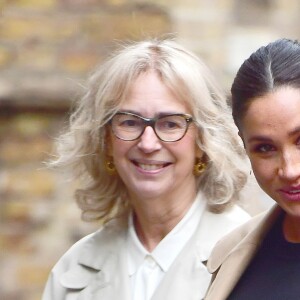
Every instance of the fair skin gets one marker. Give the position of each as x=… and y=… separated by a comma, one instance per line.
x=271, y=134
x=158, y=175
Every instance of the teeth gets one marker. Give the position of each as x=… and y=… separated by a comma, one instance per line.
x=295, y=191
x=150, y=167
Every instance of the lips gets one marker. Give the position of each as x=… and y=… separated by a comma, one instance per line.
x=291, y=193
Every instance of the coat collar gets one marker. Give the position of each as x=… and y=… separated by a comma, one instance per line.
x=214, y=226
x=98, y=271
x=101, y=262
x=233, y=254
x=251, y=233
x=191, y=262
x=106, y=243
x=103, y=246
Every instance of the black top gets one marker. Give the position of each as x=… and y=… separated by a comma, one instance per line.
x=274, y=272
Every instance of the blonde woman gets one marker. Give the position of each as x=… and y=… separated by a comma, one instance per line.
x=154, y=146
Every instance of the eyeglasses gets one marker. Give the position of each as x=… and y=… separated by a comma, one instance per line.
x=168, y=128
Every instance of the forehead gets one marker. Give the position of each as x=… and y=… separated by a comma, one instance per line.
x=148, y=93
x=275, y=111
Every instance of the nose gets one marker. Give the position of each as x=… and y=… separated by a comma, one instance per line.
x=290, y=166
x=149, y=142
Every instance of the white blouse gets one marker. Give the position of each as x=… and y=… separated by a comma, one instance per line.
x=147, y=269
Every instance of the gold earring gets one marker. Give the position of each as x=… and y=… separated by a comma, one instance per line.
x=110, y=167
x=199, y=167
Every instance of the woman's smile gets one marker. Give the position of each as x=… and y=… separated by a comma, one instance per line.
x=150, y=166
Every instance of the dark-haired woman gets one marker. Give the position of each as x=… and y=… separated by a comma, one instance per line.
x=261, y=259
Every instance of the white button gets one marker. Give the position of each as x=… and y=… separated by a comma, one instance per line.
x=150, y=261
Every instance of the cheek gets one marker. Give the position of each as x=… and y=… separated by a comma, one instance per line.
x=264, y=171
x=118, y=148
x=189, y=141
x=187, y=150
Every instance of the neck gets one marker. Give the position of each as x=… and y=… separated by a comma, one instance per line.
x=154, y=221
x=291, y=229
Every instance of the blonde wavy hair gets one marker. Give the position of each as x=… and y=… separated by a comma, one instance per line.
x=83, y=147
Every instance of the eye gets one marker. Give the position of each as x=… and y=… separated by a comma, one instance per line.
x=264, y=148
x=128, y=123
x=171, y=123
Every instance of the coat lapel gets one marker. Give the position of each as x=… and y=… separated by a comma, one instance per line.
x=190, y=283
x=102, y=267
x=192, y=278
x=232, y=256
x=230, y=272
x=102, y=272
x=110, y=282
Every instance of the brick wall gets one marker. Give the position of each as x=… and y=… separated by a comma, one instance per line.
x=47, y=47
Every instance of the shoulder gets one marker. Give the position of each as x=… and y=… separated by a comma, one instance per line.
x=251, y=231
x=235, y=236
x=73, y=254
x=213, y=226
x=236, y=214
x=76, y=268
x=91, y=251
x=226, y=220
x=91, y=247
x=58, y=282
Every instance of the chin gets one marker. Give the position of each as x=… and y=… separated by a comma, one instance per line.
x=149, y=193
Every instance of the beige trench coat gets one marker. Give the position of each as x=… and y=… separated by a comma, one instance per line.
x=95, y=267
x=232, y=254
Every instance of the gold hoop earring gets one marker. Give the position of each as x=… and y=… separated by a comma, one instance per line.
x=199, y=167
x=110, y=167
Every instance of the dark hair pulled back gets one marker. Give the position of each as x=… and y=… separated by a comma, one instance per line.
x=270, y=67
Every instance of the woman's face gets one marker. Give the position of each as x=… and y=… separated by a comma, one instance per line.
x=271, y=134
x=149, y=167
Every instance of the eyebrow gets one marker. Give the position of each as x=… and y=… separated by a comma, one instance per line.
x=160, y=114
x=262, y=138
x=295, y=131
x=259, y=138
